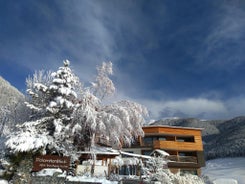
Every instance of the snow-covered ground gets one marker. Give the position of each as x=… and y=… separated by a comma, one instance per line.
x=226, y=170
x=51, y=172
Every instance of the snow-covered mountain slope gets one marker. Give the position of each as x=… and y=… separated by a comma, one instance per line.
x=226, y=170
x=12, y=110
x=8, y=93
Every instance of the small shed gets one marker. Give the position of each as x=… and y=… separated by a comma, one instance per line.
x=96, y=162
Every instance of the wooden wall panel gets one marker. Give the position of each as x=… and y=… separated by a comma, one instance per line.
x=179, y=146
x=172, y=130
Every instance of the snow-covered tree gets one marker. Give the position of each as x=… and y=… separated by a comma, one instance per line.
x=10, y=115
x=53, y=102
x=117, y=123
x=64, y=119
x=103, y=85
x=156, y=170
x=37, y=99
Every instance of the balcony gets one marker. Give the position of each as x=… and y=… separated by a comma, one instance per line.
x=178, y=146
x=183, y=161
x=175, y=158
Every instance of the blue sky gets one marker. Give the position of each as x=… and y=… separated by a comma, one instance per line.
x=182, y=58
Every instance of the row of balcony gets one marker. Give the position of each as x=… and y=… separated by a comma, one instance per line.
x=176, y=158
x=173, y=145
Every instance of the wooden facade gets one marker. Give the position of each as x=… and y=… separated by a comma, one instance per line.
x=183, y=144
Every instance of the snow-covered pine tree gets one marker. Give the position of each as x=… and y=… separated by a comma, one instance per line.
x=37, y=99
x=53, y=103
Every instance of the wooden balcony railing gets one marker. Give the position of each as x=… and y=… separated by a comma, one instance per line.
x=183, y=162
x=174, y=145
x=175, y=158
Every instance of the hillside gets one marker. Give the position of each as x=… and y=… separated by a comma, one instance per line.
x=12, y=109
x=9, y=94
x=222, y=138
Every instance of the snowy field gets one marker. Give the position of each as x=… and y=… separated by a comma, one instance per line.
x=226, y=170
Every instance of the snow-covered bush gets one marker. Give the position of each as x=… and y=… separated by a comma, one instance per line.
x=156, y=170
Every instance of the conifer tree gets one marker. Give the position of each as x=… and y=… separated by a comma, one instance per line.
x=53, y=104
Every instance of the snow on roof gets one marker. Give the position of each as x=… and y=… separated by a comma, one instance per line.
x=135, y=155
x=161, y=152
x=168, y=126
x=98, y=150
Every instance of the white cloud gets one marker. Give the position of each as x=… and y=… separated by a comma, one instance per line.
x=197, y=106
x=236, y=105
x=191, y=107
x=202, y=108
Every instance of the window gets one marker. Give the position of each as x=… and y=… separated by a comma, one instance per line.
x=187, y=153
x=128, y=170
x=170, y=138
x=162, y=139
x=146, y=152
x=148, y=141
x=185, y=139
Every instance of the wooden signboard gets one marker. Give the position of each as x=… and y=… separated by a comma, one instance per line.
x=51, y=161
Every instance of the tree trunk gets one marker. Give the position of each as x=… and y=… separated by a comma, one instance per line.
x=22, y=174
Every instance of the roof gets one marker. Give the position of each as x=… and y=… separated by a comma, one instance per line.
x=135, y=155
x=98, y=153
x=176, y=127
x=98, y=150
